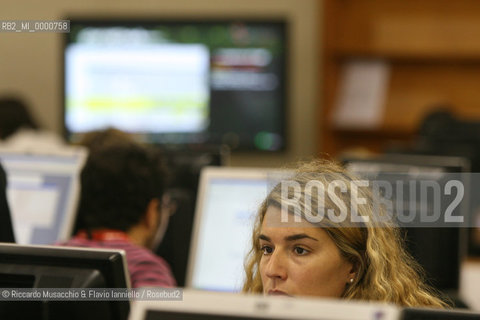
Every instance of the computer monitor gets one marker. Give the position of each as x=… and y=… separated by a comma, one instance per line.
x=229, y=306
x=227, y=202
x=63, y=267
x=437, y=247
x=178, y=80
x=42, y=193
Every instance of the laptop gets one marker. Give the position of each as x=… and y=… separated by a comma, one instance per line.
x=198, y=305
x=42, y=192
x=227, y=202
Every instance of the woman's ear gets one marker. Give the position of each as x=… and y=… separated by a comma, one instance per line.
x=353, y=274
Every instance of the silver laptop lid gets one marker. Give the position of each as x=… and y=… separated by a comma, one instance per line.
x=198, y=305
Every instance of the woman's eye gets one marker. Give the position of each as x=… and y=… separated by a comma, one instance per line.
x=300, y=251
x=266, y=250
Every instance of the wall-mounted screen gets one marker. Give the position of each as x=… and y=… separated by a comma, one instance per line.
x=179, y=82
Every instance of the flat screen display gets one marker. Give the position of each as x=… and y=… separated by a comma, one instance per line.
x=438, y=248
x=178, y=82
x=224, y=222
x=42, y=193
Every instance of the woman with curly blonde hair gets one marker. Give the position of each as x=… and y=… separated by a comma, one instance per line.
x=341, y=248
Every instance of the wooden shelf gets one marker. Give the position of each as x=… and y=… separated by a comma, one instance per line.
x=397, y=57
x=408, y=27
x=432, y=48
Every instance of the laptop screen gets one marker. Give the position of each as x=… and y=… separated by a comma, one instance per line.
x=42, y=193
x=227, y=202
x=199, y=305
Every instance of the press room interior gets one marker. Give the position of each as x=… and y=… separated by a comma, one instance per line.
x=344, y=79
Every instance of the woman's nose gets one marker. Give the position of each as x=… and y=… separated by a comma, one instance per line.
x=277, y=266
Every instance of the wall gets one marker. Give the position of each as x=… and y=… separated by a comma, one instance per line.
x=30, y=64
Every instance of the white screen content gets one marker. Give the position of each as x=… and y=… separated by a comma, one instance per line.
x=42, y=193
x=137, y=88
x=228, y=202
x=229, y=210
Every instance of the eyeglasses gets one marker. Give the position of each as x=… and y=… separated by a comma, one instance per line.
x=168, y=205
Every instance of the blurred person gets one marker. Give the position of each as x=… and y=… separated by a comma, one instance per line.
x=14, y=115
x=19, y=130
x=99, y=139
x=123, y=206
x=6, y=229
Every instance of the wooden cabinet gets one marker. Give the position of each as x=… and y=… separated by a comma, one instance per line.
x=432, y=48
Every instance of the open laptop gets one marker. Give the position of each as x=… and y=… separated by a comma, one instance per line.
x=229, y=306
x=227, y=202
x=42, y=192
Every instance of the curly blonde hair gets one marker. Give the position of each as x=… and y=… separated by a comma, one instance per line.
x=385, y=271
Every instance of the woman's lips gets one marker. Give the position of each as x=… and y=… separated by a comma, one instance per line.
x=277, y=293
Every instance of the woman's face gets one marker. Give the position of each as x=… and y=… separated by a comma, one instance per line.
x=300, y=260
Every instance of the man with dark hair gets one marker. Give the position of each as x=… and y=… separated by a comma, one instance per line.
x=6, y=230
x=122, y=206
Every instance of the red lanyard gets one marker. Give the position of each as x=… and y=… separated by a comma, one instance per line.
x=103, y=235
